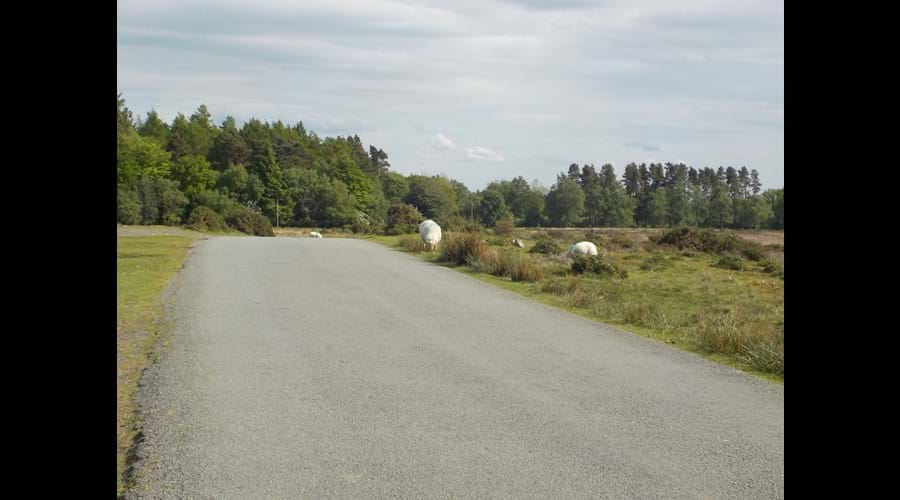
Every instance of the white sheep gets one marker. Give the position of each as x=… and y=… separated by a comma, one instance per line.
x=314, y=234
x=430, y=233
x=583, y=248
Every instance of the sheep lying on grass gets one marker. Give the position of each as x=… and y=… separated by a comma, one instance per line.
x=583, y=248
x=430, y=233
x=314, y=234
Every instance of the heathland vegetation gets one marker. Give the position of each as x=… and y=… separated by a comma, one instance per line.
x=704, y=290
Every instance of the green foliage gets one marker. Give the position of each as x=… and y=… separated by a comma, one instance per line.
x=434, y=197
x=138, y=156
x=206, y=219
x=492, y=208
x=730, y=261
x=599, y=265
x=128, y=206
x=267, y=166
x=710, y=241
x=565, y=203
x=248, y=221
x=546, y=246
x=194, y=174
x=395, y=186
x=154, y=128
x=403, y=218
x=773, y=267
x=655, y=262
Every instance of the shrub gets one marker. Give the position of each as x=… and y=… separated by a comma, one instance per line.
x=546, y=246
x=247, y=221
x=128, y=207
x=459, y=248
x=655, y=262
x=730, y=261
x=709, y=241
x=600, y=265
x=504, y=227
x=402, y=219
x=362, y=227
x=620, y=241
x=773, y=267
x=411, y=244
x=206, y=219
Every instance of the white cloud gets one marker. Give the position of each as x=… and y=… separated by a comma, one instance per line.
x=480, y=153
x=550, y=82
x=443, y=142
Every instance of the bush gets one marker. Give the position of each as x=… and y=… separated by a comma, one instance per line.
x=403, y=219
x=656, y=262
x=730, y=261
x=361, y=227
x=247, y=221
x=599, y=265
x=504, y=227
x=411, y=244
x=709, y=241
x=546, y=246
x=460, y=248
x=128, y=207
x=620, y=241
x=206, y=219
x=773, y=267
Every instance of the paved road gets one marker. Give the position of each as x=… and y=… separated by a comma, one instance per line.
x=337, y=368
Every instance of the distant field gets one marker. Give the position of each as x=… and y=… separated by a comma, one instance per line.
x=144, y=265
x=681, y=298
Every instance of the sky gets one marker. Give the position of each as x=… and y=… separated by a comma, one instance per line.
x=478, y=90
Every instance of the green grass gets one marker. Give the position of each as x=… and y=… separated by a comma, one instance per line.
x=731, y=317
x=144, y=264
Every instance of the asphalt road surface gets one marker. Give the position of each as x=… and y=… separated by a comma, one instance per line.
x=338, y=368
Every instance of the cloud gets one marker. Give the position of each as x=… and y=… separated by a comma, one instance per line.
x=545, y=80
x=480, y=153
x=441, y=141
x=643, y=146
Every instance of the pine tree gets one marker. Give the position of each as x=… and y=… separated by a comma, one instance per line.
x=755, y=185
x=744, y=182
x=632, y=180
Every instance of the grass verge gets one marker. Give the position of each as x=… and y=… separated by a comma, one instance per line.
x=144, y=265
x=731, y=317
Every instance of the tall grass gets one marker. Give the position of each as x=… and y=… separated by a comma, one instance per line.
x=461, y=248
x=412, y=244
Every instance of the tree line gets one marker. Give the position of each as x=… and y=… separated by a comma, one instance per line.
x=167, y=171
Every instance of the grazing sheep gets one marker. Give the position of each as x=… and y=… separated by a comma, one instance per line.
x=314, y=234
x=430, y=233
x=583, y=248
x=518, y=243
